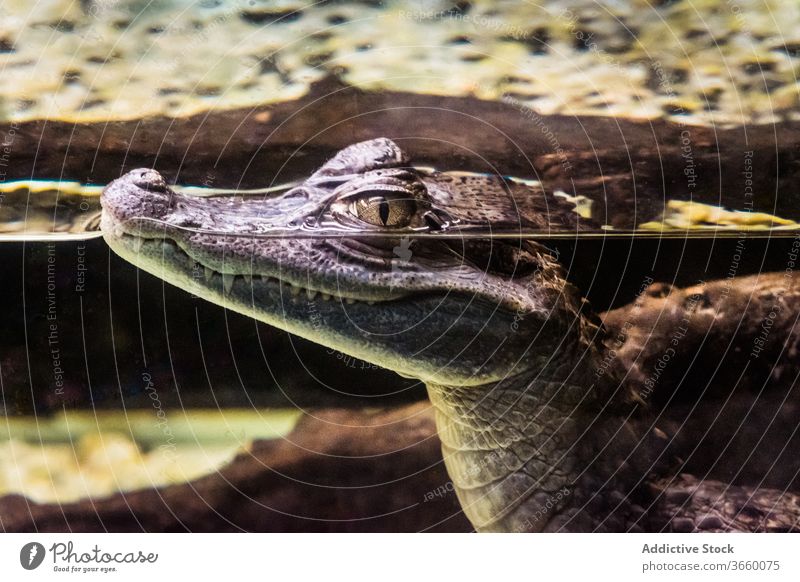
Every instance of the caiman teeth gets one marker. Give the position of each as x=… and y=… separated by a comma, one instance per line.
x=229, y=279
x=227, y=282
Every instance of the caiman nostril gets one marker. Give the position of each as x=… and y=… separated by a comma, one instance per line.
x=149, y=180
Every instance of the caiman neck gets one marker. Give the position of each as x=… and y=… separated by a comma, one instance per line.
x=541, y=451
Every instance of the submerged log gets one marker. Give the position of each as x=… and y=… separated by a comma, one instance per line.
x=717, y=365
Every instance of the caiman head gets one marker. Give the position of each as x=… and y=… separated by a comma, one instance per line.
x=381, y=288
x=364, y=257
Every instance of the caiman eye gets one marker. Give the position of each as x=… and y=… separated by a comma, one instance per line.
x=379, y=210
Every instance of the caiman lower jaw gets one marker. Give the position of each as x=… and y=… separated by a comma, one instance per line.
x=134, y=248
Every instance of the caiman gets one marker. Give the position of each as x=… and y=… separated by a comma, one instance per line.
x=539, y=426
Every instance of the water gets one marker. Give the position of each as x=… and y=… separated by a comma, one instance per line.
x=669, y=130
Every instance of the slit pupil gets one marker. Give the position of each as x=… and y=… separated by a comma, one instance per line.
x=383, y=211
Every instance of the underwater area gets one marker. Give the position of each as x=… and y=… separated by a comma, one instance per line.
x=401, y=265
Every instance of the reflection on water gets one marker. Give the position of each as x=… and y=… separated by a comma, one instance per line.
x=33, y=209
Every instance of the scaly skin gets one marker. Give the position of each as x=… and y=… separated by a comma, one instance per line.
x=533, y=438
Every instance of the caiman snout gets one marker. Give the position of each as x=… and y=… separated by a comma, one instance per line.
x=141, y=193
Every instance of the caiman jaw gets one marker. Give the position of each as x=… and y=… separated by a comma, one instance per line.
x=428, y=313
x=174, y=257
